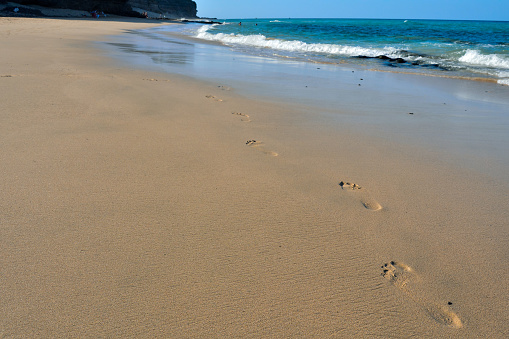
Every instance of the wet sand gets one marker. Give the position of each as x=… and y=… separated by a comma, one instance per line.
x=144, y=204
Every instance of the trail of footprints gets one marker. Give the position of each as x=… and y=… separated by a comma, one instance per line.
x=245, y=118
x=366, y=200
x=405, y=278
x=398, y=274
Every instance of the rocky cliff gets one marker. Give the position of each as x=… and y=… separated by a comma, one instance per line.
x=169, y=8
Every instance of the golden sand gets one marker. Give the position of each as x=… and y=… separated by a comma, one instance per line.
x=137, y=204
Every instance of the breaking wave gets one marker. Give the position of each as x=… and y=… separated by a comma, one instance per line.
x=262, y=41
x=474, y=57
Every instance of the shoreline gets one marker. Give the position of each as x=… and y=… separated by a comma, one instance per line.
x=349, y=65
x=452, y=106
x=144, y=203
x=412, y=58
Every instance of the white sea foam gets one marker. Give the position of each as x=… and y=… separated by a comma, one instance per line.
x=474, y=57
x=503, y=74
x=503, y=82
x=262, y=41
x=204, y=28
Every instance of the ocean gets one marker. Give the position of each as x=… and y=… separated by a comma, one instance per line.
x=468, y=49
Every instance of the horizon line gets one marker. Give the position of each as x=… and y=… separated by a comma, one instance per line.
x=350, y=18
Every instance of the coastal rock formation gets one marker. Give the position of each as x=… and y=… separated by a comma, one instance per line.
x=168, y=8
x=171, y=8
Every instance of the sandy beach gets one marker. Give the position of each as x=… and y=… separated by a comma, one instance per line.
x=142, y=204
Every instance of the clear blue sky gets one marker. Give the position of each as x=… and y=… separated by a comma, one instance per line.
x=384, y=9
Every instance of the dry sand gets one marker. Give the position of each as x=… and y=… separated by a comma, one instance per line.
x=136, y=204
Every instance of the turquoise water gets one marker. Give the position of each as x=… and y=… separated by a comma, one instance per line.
x=469, y=49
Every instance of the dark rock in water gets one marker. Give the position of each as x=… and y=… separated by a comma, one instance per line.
x=205, y=22
x=398, y=60
x=437, y=66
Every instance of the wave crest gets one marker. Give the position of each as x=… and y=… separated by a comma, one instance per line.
x=474, y=57
x=262, y=41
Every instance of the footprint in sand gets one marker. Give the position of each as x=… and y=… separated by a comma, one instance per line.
x=368, y=202
x=155, y=80
x=404, y=278
x=213, y=97
x=243, y=117
x=261, y=147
